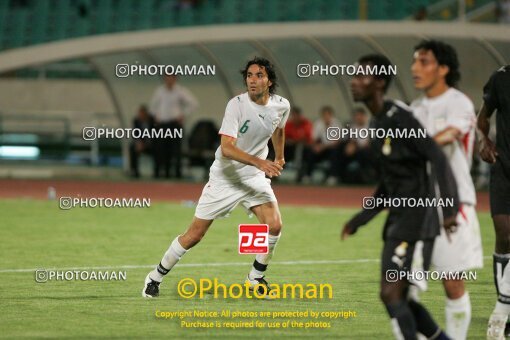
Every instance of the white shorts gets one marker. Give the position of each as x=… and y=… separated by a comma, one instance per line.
x=219, y=198
x=464, y=252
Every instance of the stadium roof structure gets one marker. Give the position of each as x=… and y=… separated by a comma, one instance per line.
x=482, y=48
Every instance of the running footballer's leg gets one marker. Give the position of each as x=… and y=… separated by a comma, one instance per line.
x=267, y=213
x=392, y=294
x=499, y=316
x=408, y=316
x=179, y=246
x=457, y=309
x=499, y=203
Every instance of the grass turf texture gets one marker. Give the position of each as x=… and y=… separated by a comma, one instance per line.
x=37, y=234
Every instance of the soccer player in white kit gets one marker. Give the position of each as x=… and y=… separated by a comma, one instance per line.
x=237, y=175
x=449, y=116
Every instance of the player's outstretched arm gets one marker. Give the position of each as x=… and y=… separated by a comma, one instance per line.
x=444, y=175
x=231, y=151
x=487, y=147
x=365, y=215
x=447, y=136
x=278, y=139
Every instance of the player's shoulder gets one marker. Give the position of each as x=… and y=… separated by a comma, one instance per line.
x=500, y=74
x=417, y=102
x=503, y=70
x=457, y=98
x=457, y=95
x=238, y=100
x=280, y=101
x=398, y=107
x=398, y=112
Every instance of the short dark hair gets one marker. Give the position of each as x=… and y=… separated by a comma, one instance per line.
x=381, y=62
x=359, y=109
x=327, y=108
x=268, y=66
x=445, y=55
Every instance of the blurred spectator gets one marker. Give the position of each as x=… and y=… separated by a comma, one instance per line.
x=298, y=134
x=321, y=148
x=142, y=121
x=169, y=105
x=186, y=4
x=19, y=3
x=202, y=144
x=178, y=5
x=352, y=157
x=503, y=11
x=421, y=14
x=83, y=11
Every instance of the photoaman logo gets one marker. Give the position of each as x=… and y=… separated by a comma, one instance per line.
x=253, y=239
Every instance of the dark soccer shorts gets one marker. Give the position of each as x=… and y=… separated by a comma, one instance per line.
x=400, y=257
x=499, y=189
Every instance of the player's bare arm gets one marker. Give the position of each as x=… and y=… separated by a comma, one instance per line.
x=231, y=151
x=346, y=232
x=487, y=147
x=448, y=136
x=278, y=139
x=360, y=219
x=365, y=215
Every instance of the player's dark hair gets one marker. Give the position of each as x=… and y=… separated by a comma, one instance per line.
x=381, y=62
x=445, y=55
x=268, y=66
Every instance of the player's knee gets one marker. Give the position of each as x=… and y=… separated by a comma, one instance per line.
x=191, y=238
x=502, y=243
x=275, y=227
x=393, y=292
x=454, y=289
x=388, y=295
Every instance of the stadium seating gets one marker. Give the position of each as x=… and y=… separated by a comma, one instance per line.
x=24, y=23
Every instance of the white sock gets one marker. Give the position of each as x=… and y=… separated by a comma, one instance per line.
x=171, y=257
x=502, y=275
x=458, y=317
x=501, y=308
x=262, y=260
x=413, y=293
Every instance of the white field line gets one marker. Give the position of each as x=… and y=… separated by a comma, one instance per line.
x=188, y=265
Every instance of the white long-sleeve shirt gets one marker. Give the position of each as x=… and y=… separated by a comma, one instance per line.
x=171, y=104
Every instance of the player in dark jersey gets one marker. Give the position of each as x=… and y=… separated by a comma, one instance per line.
x=496, y=96
x=409, y=232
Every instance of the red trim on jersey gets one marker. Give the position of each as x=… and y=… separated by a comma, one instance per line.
x=461, y=210
x=465, y=141
x=223, y=134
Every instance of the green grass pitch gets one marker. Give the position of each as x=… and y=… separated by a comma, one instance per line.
x=37, y=234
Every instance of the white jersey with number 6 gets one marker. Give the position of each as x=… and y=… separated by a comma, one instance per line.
x=252, y=125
